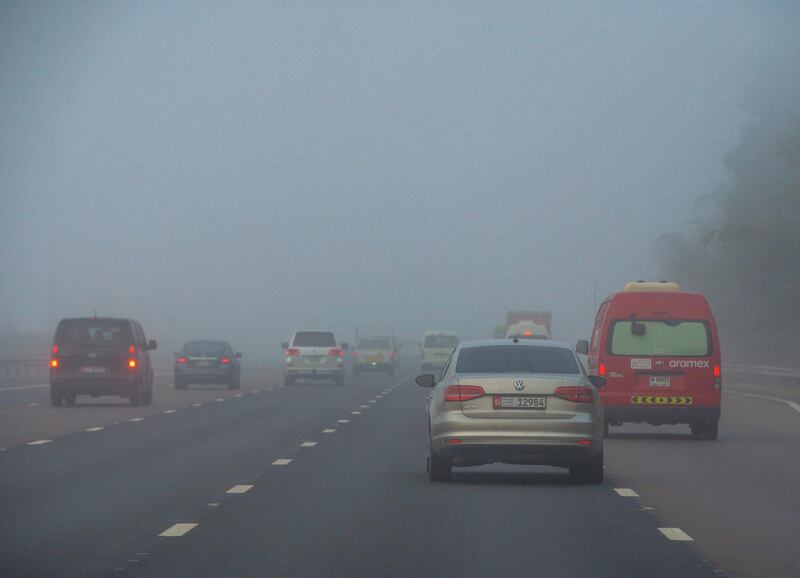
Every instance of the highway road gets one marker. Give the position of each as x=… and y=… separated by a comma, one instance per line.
x=324, y=480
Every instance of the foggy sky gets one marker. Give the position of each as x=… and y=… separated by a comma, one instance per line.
x=239, y=170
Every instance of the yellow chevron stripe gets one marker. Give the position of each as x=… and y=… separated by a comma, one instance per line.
x=661, y=400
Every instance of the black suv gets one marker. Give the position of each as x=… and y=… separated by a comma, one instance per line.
x=207, y=362
x=101, y=356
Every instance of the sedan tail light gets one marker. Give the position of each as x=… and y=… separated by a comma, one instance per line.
x=463, y=392
x=578, y=394
x=392, y=355
x=292, y=352
x=181, y=360
x=335, y=352
x=224, y=360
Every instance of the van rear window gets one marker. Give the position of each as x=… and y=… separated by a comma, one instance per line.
x=669, y=338
x=94, y=333
x=516, y=359
x=441, y=341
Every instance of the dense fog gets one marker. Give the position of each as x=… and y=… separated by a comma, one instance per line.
x=240, y=170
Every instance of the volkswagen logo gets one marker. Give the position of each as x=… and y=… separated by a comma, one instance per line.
x=519, y=385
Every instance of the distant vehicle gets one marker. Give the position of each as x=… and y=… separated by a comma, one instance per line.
x=527, y=330
x=526, y=321
x=101, y=356
x=437, y=347
x=375, y=354
x=522, y=402
x=207, y=362
x=314, y=355
x=658, y=348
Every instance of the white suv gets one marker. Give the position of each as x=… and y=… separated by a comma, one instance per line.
x=314, y=355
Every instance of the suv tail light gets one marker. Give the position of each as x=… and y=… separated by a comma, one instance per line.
x=578, y=394
x=463, y=392
x=224, y=360
x=335, y=352
x=292, y=352
x=181, y=360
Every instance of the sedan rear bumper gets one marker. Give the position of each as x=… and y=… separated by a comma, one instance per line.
x=551, y=454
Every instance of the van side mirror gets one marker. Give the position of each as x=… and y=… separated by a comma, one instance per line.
x=152, y=345
x=285, y=345
x=597, y=381
x=582, y=347
x=426, y=380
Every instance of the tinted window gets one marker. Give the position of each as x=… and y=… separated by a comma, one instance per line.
x=314, y=339
x=516, y=359
x=374, y=344
x=667, y=338
x=205, y=348
x=441, y=341
x=94, y=333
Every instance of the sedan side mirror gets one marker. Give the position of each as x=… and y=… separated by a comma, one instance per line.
x=426, y=380
x=285, y=345
x=152, y=345
x=582, y=347
x=597, y=381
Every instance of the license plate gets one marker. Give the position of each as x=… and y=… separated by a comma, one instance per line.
x=203, y=363
x=659, y=381
x=375, y=358
x=519, y=402
x=94, y=369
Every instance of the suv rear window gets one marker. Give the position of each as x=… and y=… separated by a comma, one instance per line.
x=204, y=348
x=94, y=333
x=374, y=344
x=441, y=341
x=314, y=339
x=673, y=337
x=516, y=359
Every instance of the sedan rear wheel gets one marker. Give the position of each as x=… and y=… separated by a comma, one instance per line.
x=438, y=469
x=589, y=470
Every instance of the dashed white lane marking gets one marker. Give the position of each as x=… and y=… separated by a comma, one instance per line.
x=239, y=489
x=378, y=397
x=676, y=534
x=136, y=419
x=626, y=492
x=364, y=407
x=355, y=412
x=169, y=411
x=344, y=421
x=20, y=387
x=256, y=391
x=197, y=404
x=795, y=406
x=239, y=395
x=308, y=444
x=178, y=530
x=98, y=428
x=372, y=401
x=329, y=431
x=220, y=399
x=33, y=404
x=270, y=389
x=282, y=462
x=39, y=442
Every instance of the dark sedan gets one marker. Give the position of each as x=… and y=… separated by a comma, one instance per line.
x=207, y=362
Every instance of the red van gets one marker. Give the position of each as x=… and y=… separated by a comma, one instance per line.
x=657, y=348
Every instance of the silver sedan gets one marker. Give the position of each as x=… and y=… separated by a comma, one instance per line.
x=516, y=402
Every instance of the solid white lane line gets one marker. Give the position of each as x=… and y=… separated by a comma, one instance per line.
x=282, y=462
x=355, y=412
x=136, y=419
x=795, y=406
x=308, y=444
x=329, y=431
x=676, y=534
x=178, y=530
x=344, y=421
x=239, y=489
x=39, y=442
x=626, y=492
x=169, y=411
x=98, y=428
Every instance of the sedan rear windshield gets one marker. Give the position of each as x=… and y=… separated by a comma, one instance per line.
x=516, y=359
x=671, y=337
x=441, y=341
x=94, y=333
x=204, y=348
x=314, y=339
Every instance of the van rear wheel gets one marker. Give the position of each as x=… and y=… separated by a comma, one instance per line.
x=56, y=398
x=706, y=430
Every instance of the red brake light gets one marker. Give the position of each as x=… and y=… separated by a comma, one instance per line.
x=181, y=360
x=54, y=363
x=292, y=352
x=578, y=394
x=335, y=352
x=463, y=392
x=55, y=349
x=717, y=371
x=601, y=370
x=584, y=442
x=527, y=333
x=132, y=363
x=392, y=355
x=224, y=360
x=132, y=349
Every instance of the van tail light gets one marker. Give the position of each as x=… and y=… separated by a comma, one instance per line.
x=601, y=370
x=717, y=377
x=132, y=350
x=54, y=363
x=292, y=352
x=55, y=349
x=578, y=394
x=181, y=360
x=132, y=363
x=335, y=352
x=224, y=360
x=463, y=392
x=392, y=355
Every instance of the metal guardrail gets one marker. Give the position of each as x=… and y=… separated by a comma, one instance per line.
x=22, y=369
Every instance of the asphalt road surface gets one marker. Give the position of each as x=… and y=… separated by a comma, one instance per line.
x=323, y=480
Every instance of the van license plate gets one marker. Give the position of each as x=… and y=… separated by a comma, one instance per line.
x=659, y=381
x=519, y=402
x=93, y=369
